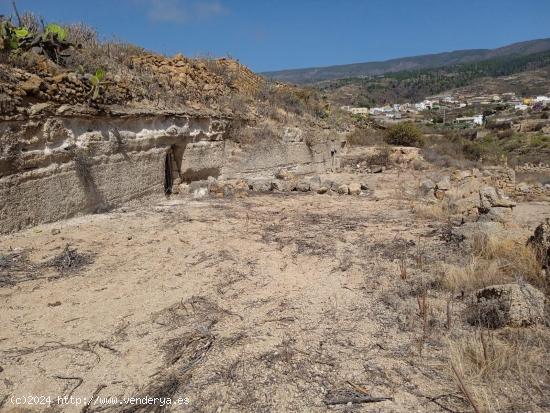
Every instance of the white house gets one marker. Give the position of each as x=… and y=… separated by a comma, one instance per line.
x=473, y=120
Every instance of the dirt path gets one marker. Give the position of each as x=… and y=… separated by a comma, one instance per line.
x=267, y=303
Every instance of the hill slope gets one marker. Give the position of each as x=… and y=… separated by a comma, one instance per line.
x=316, y=74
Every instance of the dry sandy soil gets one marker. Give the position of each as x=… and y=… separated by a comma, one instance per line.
x=268, y=303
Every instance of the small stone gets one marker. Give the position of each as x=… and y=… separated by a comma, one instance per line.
x=56, y=231
x=343, y=189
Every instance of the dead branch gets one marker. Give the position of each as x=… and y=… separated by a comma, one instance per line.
x=79, y=379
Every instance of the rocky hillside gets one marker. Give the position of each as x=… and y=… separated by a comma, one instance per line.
x=90, y=125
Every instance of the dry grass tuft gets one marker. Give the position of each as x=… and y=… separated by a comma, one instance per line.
x=438, y=211
x=494, y=260
x=503, y=371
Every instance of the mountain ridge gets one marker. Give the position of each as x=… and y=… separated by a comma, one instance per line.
x=427, y=61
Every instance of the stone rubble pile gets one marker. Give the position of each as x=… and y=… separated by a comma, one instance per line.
x=284, y=182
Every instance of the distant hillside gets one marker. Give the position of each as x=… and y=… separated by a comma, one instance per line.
x=430, y=61
x=500, y=73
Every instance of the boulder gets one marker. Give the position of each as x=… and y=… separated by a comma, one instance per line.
x=315, y=183
x=491, y=197
x=354, y=188
x=343, y=189
x=444, y=184
x=496, y=214
x=515, y=305
x=322, y=190
x=467, y=205
x=260, y=185
x=461, y=175
x=427, y=187
x=494, y=205
x=302, y=186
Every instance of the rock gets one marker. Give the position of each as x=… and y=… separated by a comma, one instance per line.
x=427, y=187
x=354, y=188
x=376, y=169
x=444, y=184
x=322, y=190
x=200, y=193
x=302, y=186
x=343, y=189
x=32, y=85
x=540, y=242
x=284, y=175
x=329, y=184
x=466, y=205
x=315, y=183
x=37, y=108
x=260, y=185
x=364, y=186
x=517, y=305
x=277, y=185
x=240, y=188
x=216, y=189
x=461, y=175
x=56, y=231
x=496, y=214
x=523, y=187
x=490, y=197
x=183, y=188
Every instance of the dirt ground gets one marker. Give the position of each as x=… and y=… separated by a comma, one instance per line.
x=268, y=303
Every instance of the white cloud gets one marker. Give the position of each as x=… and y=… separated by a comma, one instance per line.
x=183, y=11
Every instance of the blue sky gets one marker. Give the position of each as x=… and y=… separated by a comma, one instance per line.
x=271, y=35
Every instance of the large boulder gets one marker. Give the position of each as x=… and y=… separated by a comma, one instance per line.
x=490, y=197
x=515, y=305
x=494, y=205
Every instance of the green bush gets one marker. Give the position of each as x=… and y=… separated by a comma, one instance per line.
x=404, y=134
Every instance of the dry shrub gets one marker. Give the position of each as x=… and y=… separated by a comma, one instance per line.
x=365, y=137
x=404, y=134
x=439, y=211
x=263, y=134
x=494, y=260
x=504, y=371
